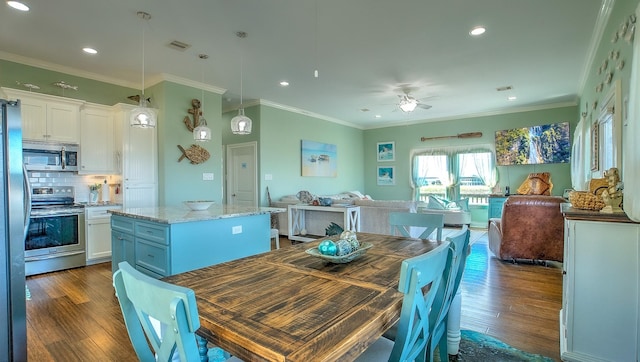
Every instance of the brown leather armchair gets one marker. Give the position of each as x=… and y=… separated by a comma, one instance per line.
x=531, y=227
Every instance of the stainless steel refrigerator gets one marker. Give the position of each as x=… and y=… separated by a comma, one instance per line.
x=13, y=331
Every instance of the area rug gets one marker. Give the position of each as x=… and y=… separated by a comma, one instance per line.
x=478, y=347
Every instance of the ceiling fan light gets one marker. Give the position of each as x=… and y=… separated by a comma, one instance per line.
x=241, y=124
x=408, y=105
x=202, y=132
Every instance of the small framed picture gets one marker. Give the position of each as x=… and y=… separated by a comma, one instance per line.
x=386, y=175
x=386, y=151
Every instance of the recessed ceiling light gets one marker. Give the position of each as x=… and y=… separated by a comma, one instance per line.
x=478, y=30
x=284, y=83
x=18, y=5
x=378, y=116
x=512, y=98
x=89, y=50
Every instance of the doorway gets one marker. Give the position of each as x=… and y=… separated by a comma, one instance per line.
x=242, y=174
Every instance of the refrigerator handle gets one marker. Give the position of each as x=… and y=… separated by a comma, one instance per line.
x=27, y=200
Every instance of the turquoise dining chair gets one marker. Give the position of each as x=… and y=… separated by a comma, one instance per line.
x=145, y=300
x=403, y=221
x=459, y=245
x=414, y=332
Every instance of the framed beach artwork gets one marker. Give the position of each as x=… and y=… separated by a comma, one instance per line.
x=319, y=159
x=386, y=175
x=386, y=151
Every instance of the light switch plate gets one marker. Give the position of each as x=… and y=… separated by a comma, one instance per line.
x=207, y=176
x=268, y=177
x=236, y=229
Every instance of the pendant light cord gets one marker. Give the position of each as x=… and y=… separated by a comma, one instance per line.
x=142, y=61
x=241, y=65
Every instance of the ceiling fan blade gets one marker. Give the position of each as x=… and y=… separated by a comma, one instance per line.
x=424, y=106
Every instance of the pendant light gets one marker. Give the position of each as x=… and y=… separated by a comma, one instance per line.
x=241, y=124
x=143, y=116
x=202, y=132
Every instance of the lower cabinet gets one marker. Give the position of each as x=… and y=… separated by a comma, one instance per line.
x=98, y=233
x=599, y=320
x=159, y=249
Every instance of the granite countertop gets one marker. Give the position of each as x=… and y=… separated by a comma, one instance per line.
x=572, y=213
x=97, y=204
x=181, y=214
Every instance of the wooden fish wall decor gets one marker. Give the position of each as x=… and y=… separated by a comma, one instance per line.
x=195, y=154
x=196, y=112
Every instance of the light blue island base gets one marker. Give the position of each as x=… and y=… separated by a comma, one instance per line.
x=165, y=241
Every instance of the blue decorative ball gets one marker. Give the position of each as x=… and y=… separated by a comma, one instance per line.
x=328, y=247
x=344, y=247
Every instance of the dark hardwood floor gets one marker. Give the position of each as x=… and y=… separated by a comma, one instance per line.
x=73, y=315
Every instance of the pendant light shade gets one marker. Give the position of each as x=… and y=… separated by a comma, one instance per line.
x=143, y=116
x=202, y=133
x=241, y=124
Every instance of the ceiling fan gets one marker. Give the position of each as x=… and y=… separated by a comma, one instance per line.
x=408, y=103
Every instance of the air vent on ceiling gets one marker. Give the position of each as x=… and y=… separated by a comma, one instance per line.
x=178, y=45
x=505, y=88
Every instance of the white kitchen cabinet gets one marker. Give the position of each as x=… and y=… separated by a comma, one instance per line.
x=600, y=301
x=139, y=162
x=98, y=233
x=98, y=154
x=48, y=118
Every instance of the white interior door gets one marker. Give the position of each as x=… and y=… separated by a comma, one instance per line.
x=242, y=174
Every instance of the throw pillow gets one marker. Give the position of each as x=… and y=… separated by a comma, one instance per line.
x=462, y=204
x=536, y=184
x=437, y=203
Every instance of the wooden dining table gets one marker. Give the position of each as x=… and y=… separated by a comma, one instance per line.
x=287, y=305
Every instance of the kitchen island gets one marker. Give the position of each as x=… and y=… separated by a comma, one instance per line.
x=163, y=241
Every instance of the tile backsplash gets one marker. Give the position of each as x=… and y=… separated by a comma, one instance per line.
x=79, y=182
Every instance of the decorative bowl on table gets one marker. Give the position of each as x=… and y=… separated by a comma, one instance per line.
x=199, y=205
x=341, y=259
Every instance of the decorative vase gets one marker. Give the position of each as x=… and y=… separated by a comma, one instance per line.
x=93, y=196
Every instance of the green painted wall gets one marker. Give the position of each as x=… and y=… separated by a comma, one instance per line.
x=181, y=181
x=281, y=133
x=12, y=73
x=408, y=137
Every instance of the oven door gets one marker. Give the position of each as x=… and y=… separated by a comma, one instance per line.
x=53, y=236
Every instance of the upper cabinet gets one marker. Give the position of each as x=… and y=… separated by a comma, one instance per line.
x=48, y=118
x=98, y=153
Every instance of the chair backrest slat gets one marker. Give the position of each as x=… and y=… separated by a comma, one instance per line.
x=164, y=314
x=402, y=222
x=413, y=328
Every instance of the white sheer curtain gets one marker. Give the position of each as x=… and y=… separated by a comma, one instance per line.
x=486, y=168
x=579, y=165
x=631, y=145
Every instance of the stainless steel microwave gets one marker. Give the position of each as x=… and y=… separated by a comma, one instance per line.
x=38, y=156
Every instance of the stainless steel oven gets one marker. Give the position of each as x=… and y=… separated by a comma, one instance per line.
x=55, y=237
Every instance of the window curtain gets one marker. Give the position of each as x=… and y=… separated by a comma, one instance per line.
x=631, y=163
x=486, y=169
x=448, y=167
x=578, y=156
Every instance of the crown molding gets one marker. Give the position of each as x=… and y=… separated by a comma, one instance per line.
x=165, y=77
x=480, y=114
x=596, y=37
x=264, y=102
x=64, y=69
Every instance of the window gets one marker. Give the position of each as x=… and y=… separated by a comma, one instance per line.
x=454, y=175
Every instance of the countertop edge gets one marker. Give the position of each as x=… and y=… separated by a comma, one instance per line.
x=176, y=215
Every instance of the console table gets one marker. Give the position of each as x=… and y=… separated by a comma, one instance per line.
x=296, y=219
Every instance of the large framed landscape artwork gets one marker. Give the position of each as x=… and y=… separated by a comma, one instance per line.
x=319, y=159
x=548, y=143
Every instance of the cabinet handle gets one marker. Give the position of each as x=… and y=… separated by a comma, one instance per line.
x=151, y=256
x=120, y=238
